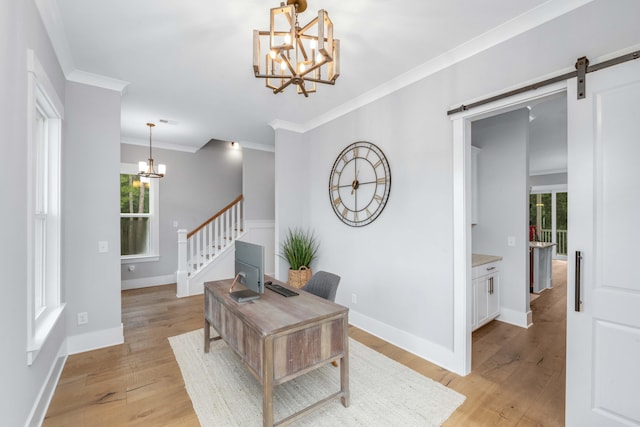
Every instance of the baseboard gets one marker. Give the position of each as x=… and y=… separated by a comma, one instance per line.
x=513, y=317
x=147, y=282
x=425, y=349
x=94, y=340
x=41, y=405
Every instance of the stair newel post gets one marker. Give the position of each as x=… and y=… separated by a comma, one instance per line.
x=182, y=274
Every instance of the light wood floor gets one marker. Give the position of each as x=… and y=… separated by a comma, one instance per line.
x=517, y=379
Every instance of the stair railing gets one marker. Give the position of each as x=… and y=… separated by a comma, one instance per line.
x=196, y=249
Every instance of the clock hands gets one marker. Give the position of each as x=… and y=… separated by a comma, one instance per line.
x=355, y=184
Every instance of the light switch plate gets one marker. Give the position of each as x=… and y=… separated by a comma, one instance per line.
x=511, y=241
x=103, y=246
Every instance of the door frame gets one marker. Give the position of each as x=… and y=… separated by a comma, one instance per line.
x=462, y=212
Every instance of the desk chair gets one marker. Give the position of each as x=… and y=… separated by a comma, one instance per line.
x=323, y=284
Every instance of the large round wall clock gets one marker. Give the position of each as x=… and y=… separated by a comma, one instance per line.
x=359, y=183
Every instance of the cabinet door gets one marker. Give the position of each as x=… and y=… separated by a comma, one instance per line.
x=493, y=296
x=482, y=293
x=474, y=305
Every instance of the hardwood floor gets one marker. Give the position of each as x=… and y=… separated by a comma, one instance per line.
x=517, y=378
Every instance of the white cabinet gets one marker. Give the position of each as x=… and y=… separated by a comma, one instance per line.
x=474, y=184
x=486, y=293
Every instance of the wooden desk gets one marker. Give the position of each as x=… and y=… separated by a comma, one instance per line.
x=280, y=338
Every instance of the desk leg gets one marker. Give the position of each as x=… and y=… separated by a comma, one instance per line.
x=207, y=333
x=267, y=382
x=344, y=367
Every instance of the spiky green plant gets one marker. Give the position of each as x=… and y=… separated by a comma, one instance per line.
x=299, y=248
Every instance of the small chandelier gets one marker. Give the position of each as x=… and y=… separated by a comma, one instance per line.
x=146, y=169
x=297, y=55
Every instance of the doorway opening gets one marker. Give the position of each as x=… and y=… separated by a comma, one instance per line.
x=515, y=305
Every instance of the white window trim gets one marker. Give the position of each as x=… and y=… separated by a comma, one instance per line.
x=154, y=223
x=42, y=96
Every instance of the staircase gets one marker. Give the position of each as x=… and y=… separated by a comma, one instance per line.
x=206, y=253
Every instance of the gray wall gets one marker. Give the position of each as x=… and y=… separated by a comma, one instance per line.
x=91, y=201
x=196, y=186
x=20, y=385
x=258, y=175
x=503, y=202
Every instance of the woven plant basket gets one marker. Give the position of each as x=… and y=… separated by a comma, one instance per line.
x=298, y=278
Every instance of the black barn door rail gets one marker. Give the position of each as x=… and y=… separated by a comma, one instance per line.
x=582, y=69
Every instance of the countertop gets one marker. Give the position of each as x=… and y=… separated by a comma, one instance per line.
x=480, y=259
x=541, y=245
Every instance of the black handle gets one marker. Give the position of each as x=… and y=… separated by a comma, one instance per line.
x=578, y=270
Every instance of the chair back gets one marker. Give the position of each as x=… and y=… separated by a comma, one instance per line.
x=323, y=284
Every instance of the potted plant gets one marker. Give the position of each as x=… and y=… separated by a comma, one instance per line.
x=299, y=248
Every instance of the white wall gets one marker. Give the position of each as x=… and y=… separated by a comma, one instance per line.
x=503, y=203
x=21, y=385
x=408, y=249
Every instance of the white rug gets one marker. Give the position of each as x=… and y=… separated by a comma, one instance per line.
x=383, y=392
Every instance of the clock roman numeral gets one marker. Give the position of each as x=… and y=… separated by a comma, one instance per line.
x=336, y=201
x=381, y=180
x=378, y=163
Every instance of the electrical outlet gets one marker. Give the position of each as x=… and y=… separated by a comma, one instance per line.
x=354, y=298
x=83, y=318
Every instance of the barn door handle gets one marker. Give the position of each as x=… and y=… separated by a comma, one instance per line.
x=578, y=271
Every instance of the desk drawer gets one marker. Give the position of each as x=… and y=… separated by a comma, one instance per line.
x=296, y=352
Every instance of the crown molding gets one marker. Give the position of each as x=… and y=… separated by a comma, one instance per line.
x=98, y=80
x=291, y=126
x=520, y=24
x=256, y=146
x=156, y=144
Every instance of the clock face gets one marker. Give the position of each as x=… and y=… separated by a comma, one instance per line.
x=359, y=183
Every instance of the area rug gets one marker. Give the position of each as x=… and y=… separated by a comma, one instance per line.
x=383, y=392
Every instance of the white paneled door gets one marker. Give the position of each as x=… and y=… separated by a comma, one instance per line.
x=603, y=338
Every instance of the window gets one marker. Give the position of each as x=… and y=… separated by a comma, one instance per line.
x=43, y=232
x=138, y=216
x=548, y=217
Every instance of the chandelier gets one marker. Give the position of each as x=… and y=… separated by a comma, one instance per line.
x=146, y=169
x=302, y=56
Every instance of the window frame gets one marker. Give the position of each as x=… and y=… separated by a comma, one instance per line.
x=153, y=215
x=45, y=113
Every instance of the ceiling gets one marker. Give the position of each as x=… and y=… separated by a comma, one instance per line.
x=190, y=61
